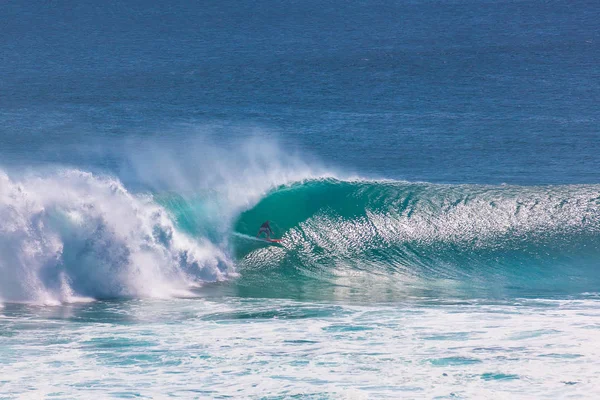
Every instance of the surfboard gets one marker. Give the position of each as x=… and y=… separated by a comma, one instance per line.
x=255, y=239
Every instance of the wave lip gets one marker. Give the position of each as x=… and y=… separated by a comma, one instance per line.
x=71, y=236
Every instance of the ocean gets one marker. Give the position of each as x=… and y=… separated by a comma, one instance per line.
x=431, y=167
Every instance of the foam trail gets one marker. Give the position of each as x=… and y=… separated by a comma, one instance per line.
x=71, y=235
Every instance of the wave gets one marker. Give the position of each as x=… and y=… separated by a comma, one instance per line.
x=71, y=235
x=157, y=226
x=479, y=238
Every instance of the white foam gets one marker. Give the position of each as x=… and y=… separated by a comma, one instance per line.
x=70, y=236
x=522, y=349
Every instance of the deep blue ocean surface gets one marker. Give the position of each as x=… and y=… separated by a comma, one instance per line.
x=430, y=166
x=444, y=91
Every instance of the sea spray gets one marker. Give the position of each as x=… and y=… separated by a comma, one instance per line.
x=69, y=234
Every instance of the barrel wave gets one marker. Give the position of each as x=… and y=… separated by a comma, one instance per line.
x=422, y=238
x=71, y=235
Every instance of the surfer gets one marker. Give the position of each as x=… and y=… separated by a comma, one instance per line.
x=266, y=229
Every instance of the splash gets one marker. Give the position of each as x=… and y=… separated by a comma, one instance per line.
x=72, y=235
x=156, y=227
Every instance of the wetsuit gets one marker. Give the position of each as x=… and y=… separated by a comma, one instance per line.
x=266, y=229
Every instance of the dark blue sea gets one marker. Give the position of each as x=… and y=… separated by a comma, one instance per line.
x=431, y=167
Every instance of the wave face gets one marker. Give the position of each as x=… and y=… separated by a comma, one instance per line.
x=482, y=239
x=71, y=235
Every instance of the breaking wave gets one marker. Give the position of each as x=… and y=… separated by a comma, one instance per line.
x=71, y=235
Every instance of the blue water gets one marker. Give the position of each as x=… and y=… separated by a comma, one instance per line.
x=431, y=168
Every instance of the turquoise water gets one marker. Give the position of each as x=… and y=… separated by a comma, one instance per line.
x=430, y=168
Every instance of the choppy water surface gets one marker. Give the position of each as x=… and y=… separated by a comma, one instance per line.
x=274, y=348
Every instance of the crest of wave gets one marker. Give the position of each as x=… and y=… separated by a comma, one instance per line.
x=72, y=235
